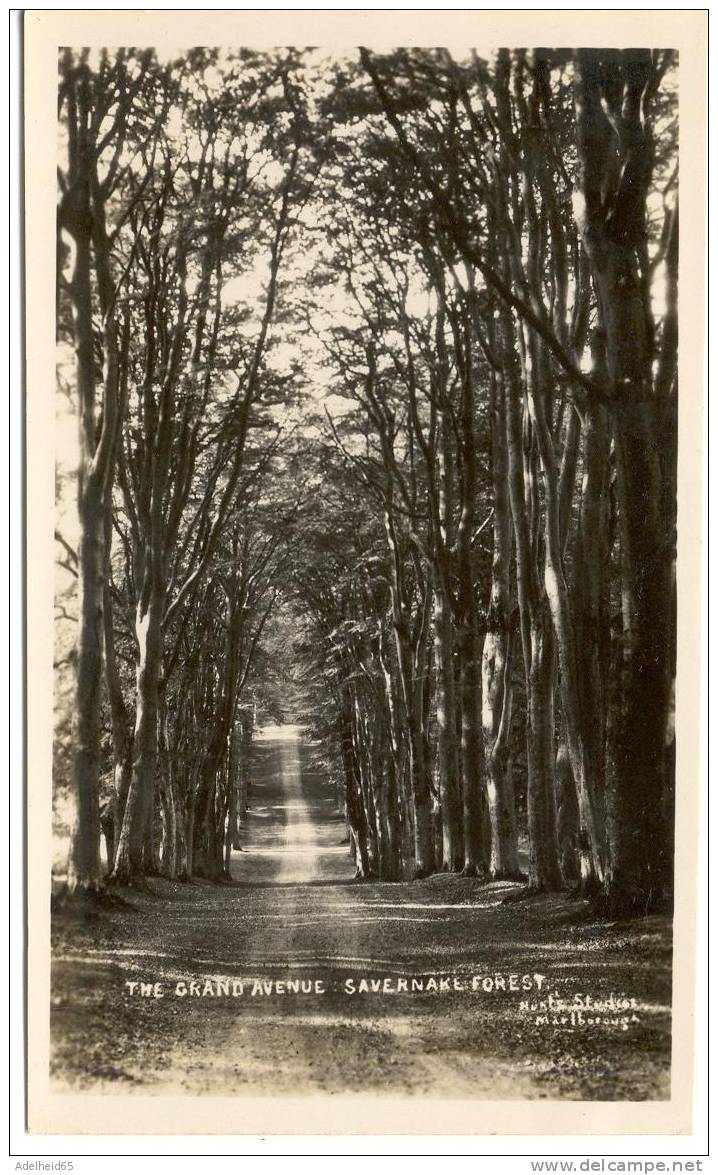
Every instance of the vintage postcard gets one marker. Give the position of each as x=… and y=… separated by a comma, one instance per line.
x=364, y=449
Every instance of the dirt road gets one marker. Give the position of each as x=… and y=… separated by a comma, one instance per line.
x=297, y=979
x=294, y=832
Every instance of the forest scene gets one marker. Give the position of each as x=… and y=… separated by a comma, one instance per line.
x=365, y=638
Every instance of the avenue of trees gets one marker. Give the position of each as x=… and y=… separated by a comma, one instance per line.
x=374, y=365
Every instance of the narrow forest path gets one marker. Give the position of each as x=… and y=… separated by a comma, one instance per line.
x=294, y=832
x=261, y=979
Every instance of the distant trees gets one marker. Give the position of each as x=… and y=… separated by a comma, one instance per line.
x=480, y=561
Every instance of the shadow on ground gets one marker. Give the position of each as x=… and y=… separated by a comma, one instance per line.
x=294, y=918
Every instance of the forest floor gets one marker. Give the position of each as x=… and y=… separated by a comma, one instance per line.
x=503, y=1011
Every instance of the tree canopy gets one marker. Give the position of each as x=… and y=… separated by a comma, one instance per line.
x=374, y=365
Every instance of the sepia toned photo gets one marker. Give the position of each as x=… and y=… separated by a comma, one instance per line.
x=365, y=582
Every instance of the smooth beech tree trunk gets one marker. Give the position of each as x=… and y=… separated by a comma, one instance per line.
x=591, y=590
x=567, y=819
x=412, y=714
x=169, y=857
x=467, y=621
x=397, y=757
x=81, y=215
x=470, y=707
x=448, y=771
x=208, y=849
x=496, y=719
x=235, y=760
x=613, y=233
x=537, y=646
x=356, y=818
x=120, y=723
x=231, y=832
x=84, y=869
x=375, y=733
x=170, y=852
x=191, y=810
x=641, y=869
x=423, y=837
x=390, y=817
x=496, y=662
x=362, y=753
x=131, y=857
x=245, y=761
x=583, y=766
x=544, y=869
x=94, y=488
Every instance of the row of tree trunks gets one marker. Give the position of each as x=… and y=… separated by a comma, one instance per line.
x=170, y=256
x=525, y=225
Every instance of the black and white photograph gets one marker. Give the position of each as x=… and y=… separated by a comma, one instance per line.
x=366, y=739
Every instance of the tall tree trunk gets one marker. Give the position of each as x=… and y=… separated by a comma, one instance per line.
x=412, y=709
x=139, y=809
x=81, y=214
x=235, y=775
x=355, y=809
x=245, y=754
x=466, y=615
x=208, y=849
x=567, y=819
x=404, y=807
x=641, y=869
x=390, y=816
x=496, y=665
x=120, y=722
x=84, y=869
x=560, y=604
x=470, y=706
x=374, y=733
x=169, y=861
x=537, y=645
x=195, y=768
x=592, y=602
x=447, y=750
x=152, y=860
x=423, y=839
x=544, y=869
x=361, y=743
x=613, y=233
x=231, y=832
